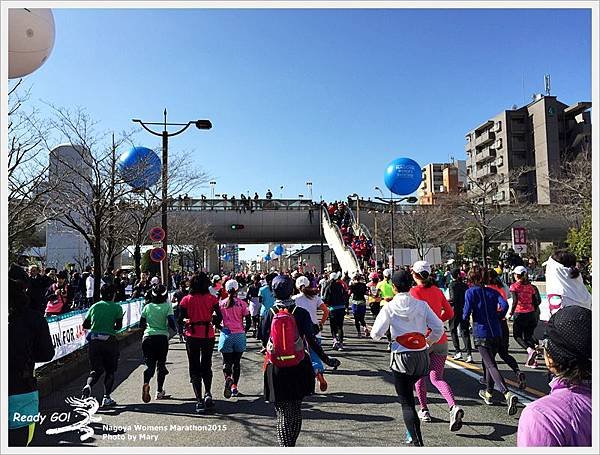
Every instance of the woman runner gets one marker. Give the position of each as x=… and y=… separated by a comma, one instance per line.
x=232, y=340
x=408, y=319
x=483, y=303
x=199, y=310
x=428, y=292
x=493, y=281
x=524, y=299
x=157, y=316
x=287, y=387
x=309, y=300
x=358, y=290
x=374, y=294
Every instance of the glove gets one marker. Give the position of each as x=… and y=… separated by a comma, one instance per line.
x=332, y=362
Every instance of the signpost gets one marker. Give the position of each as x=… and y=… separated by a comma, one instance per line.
x=158, y=254
x=519, y=240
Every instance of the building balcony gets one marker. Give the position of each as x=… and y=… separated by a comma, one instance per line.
x=485, y=155
x=486, y=171
x=484, y=139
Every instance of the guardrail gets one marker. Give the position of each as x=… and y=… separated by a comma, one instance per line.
x=241, y=204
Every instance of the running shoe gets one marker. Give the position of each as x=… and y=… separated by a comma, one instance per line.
x=322, y=382
x=209, y=404
x=424, y=415
x=227, y=389
x=335, y=345
x=146, y=393
x=533, y=366
x=522, y=380
x=86, y=392
x=234, y=391
x=456, y=416
x=360, y=335
x=531, y=354
x=469, y=359
x=181, y=339
x=200, y=407
x=511, y=401
x=367, y=332
x=162, y=395
x=340, y=347
x=108, y=402
x=408, y=439
x=457, y=356
x=486, y=396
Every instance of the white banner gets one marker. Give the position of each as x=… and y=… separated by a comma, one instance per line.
x=68, y=334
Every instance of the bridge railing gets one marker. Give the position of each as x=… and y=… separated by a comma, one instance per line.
x=242, y=204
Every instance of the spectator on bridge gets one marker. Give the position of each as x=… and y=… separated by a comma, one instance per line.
x=564, y=417
x=269, y=195
x=29, y=342
x=186, y=201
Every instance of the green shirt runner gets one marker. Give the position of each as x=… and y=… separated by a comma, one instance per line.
x=156, y=315
x=102, y=316
x=387, y=290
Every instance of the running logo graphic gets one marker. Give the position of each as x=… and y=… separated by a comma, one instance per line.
x=84, y=407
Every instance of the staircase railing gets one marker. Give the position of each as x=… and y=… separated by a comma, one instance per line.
x=349, y=252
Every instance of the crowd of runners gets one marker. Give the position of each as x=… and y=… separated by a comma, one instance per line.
x=287, y=312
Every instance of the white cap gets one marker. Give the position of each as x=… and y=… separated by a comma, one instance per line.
x=387, y=273
x=334, y=276
x=421, y=266
x=155, y=280
x=302, y=281
x=232, y=285
x=216, y=278
x=519, y=270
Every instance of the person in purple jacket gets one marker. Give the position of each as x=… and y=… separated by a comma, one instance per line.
x=563, y=418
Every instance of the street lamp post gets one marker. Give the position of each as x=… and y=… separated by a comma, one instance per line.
x=357, y=209
x=393, y=202
x=309, y=186
x=200, y=124
x=212, y=189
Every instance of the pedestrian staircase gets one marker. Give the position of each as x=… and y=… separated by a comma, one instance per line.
x=345, y=255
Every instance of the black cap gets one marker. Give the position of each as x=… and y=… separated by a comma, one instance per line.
x=282, y=286
x=402, y=280
x=569, y=334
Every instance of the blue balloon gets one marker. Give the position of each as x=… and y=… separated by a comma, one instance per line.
x=403, y=176
x=279, y=249
x=140, y=167
x=267, y=257
x=227, y=257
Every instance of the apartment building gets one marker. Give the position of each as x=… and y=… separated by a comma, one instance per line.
x=538, y=137
x=441, y=178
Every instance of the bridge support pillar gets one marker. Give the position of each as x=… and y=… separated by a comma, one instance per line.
x=212, y=259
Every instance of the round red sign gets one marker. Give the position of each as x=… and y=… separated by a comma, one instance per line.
x=158, y=255
x=157, y=234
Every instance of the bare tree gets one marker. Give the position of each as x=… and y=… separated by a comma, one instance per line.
x=479, y=209
x=28, y=189
x=189, y=238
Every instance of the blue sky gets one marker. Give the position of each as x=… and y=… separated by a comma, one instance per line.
x=329, y=96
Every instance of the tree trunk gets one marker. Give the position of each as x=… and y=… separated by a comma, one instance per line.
x=137, y=261
x=484, y=248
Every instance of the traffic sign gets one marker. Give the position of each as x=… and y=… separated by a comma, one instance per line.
x=519, y=240
x=157, y=255
x=156, y=234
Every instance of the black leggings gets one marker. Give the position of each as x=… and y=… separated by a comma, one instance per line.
x=405, y=385
x=289, y=422
x=231, y=365
x=375, y=308
x=155, y=349
x=524, y=325
x=336, y=322
x=104, y=358
x=359, y=318
x=503, y=348
x=199, y=352
x=488, y=349
x=462, y=327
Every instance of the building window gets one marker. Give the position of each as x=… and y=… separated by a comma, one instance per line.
x=497, y=126
x=498, y=143
x=500, y=161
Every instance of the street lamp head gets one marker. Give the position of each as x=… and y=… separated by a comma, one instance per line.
x=412, y=200
x=137, y=120
x=203, y=124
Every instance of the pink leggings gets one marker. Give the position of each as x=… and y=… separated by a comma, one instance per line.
x=436, y=375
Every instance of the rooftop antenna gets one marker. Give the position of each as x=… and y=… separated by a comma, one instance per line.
x=547, y=84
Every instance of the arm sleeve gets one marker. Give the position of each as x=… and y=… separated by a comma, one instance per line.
x=143, y=323
x=119, y=318
x=515, y=300
x=218, y=316
x=325, y=310
x=451, y=294
x=171, y=322
x=435, y=324
x=503, y=304
x=467, y=308
x=381, y=324
x=43, y=350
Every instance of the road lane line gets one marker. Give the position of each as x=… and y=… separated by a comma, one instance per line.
x=470, y=371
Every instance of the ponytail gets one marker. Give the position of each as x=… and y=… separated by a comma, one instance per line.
x=231, y=299
x=310, y=292
x=426, y=278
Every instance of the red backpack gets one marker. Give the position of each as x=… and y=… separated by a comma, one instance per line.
x=285, y=347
